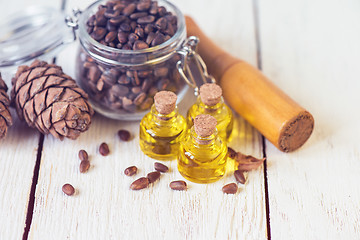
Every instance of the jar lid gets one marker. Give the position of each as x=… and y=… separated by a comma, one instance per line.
x=31, y=33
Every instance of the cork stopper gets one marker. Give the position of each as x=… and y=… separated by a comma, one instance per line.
x=204, y=125
x=165, y=102
x=210, y=94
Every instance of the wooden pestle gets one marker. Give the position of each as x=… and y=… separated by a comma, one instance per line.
x=280, y=119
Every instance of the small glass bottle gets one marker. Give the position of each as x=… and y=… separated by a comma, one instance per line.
x=203, y=154
x=211, y=102
x=162, y=128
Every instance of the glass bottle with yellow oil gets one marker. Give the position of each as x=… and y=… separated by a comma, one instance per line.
x=211, y=102
x=203, y=154
x=162, y=128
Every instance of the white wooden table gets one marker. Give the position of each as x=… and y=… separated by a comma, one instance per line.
x=309, y=48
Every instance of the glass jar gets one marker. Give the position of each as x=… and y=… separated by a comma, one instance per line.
x=28, y=35
x=121, y=83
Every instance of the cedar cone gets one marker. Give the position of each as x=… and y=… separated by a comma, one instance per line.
x=50, y=100
x=5, y=116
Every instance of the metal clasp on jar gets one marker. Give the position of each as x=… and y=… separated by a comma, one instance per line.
x=73, y=22
x=191, y=66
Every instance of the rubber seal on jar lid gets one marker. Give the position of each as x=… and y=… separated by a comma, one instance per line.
x=31, y=33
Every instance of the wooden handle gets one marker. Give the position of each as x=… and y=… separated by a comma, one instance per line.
x=280, y=119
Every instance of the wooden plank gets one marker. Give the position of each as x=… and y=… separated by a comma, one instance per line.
x=104, y=207
x=310, y=49
x=18, y=157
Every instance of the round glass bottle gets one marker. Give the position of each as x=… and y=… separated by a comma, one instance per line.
x=121, y=83
x=202, y=154
x=162, y=129
x=211, y=102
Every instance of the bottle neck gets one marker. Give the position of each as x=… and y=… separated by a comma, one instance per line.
x=198, y=140
x=158, y=117
x=208, y=108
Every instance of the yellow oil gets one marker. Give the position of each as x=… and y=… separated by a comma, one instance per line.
x=199, y=162
x=160, y=134
x=221, y=112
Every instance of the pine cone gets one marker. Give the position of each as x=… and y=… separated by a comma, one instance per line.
x=50, y=100
x=5, y=116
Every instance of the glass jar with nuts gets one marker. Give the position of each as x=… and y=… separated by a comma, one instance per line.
x=128, y=53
